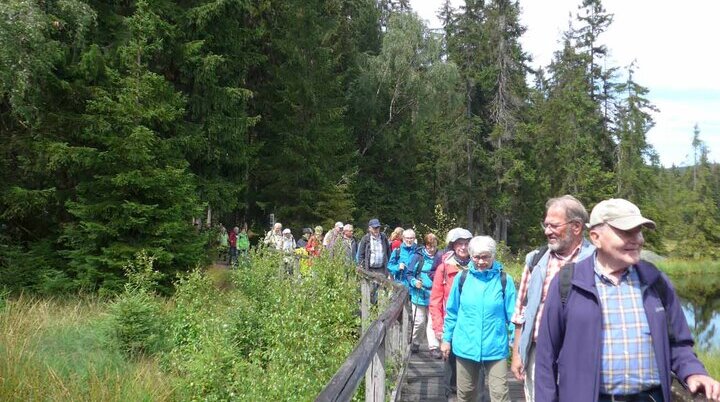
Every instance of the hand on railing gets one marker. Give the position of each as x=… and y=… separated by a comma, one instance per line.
x=704, y=385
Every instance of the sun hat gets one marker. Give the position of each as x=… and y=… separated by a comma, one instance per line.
x=619, y=213
x=456, y=234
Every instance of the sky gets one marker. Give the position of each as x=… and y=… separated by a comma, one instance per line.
x=674, y=48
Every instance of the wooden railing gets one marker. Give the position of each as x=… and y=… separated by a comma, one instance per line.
x=384, y=339
x=387, y=339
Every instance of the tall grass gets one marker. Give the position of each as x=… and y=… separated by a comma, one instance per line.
x=675, y=266
x=711, y=360
x=55, y=350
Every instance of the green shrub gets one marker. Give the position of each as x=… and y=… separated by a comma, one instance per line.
x=137, y=322
x=267, y=337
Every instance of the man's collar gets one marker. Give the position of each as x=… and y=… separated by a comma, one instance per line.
x=570, y=256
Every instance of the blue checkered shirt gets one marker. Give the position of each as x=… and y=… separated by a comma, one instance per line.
x=377, y=256
x=628, y=358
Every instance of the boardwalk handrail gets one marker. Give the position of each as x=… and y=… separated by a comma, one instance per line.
x=371, y=346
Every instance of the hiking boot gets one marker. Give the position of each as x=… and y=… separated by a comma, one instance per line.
x=436, y=354
x=414, y=348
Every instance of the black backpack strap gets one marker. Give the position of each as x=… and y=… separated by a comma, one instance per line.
x=536, y=258
x=503, y=283
x=539, y=253
x=566, y=274
x=420, y=263
x=463, y=275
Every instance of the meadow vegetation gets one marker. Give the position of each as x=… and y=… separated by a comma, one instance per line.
x=247, y=334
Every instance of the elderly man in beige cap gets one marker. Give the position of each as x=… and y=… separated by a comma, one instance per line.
x=617, y=321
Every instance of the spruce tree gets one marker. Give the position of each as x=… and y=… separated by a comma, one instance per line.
x=139, y=194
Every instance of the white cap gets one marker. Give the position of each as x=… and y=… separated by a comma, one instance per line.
x=619, y=213
x=286, y=231
x=458, y=233
x=338, y=224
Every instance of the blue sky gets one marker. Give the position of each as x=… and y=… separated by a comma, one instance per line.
x=673, y=45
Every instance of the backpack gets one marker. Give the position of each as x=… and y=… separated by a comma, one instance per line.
x=660, y=286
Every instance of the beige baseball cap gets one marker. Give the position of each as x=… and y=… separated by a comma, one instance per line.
x=619, y=213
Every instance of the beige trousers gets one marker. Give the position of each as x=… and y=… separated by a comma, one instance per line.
x=471, y=377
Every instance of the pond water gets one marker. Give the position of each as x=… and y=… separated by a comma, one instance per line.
x=700, y=295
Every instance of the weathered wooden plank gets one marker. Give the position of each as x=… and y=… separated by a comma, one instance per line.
x=375, y=377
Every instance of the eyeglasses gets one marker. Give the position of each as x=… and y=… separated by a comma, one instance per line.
x=553, y=226
x=484, y=257
x=409, y=238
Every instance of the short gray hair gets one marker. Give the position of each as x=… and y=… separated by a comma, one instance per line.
x=478, y=244
x=574, y=209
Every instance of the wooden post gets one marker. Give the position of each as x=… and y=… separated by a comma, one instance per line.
x=364, y=304
x=392, y=339
x=406, y=327
x=375, y=376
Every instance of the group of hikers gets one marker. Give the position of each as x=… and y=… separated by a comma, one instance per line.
x=589, y=321
x=234, y=246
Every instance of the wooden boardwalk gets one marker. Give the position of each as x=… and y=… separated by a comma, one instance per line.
x=424, y=380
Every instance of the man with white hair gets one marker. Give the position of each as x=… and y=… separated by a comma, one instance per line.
x=348, y=245
x=332, y=235
x=274, y=238
x=563, y=226
x=617, y=321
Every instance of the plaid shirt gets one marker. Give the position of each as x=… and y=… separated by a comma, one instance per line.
x=377, y=258
x=628, y=358
x=555, y=262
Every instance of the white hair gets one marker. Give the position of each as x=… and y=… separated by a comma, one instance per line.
x=480, y=244
x=408, y=233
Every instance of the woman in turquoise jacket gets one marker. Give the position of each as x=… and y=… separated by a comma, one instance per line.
x=418, y=279
x=400, y=257
x=479, y=308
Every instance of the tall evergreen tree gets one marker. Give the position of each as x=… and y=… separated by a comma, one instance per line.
x=509, y=97
x=42, y=90
x=306, y=153
x=219, y=44
x=636, y=159
x=140, y=194
x=699, y=233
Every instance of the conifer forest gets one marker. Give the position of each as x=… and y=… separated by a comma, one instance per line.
x=123, y=123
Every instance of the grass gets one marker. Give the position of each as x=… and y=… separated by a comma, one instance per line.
x=673, y=266
x=711, y=360
x=56, y=350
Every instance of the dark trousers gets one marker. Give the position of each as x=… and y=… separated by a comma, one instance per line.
x=375, y=286
x=651, y=395
x=450, y=374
